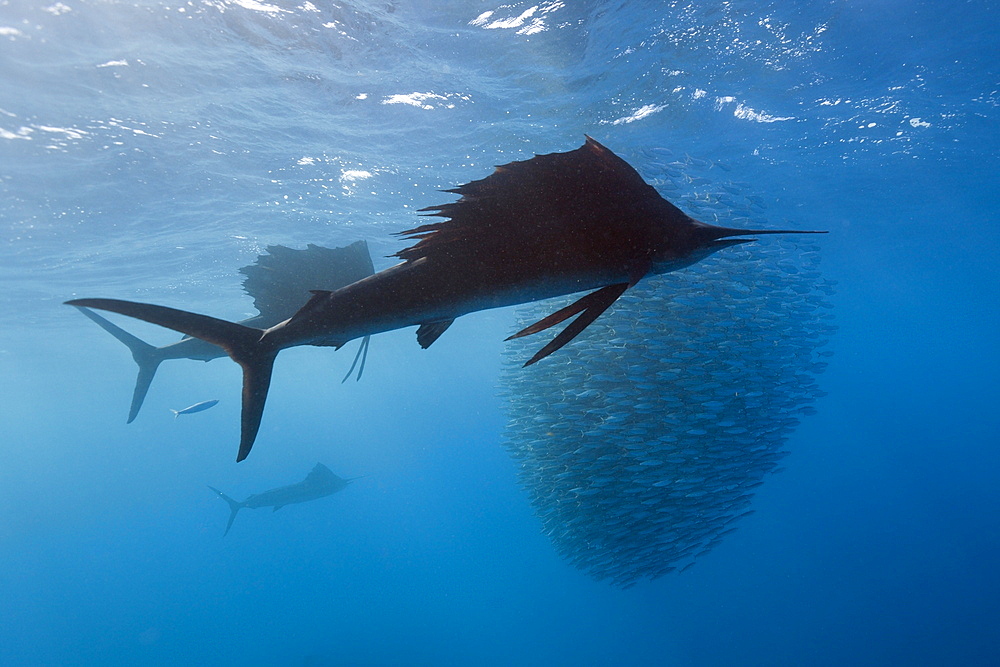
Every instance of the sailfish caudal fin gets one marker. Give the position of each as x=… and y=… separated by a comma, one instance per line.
x=240, y=342
x=234, y=507
x=147, y=357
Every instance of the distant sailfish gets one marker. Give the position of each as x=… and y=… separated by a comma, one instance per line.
x=320, y=482
x=555, y=224
x=197, y=407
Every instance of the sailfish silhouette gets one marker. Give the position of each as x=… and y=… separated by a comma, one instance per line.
x=551, y=225
x=319, y=483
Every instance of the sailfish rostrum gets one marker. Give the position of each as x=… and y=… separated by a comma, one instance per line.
x=552, y=225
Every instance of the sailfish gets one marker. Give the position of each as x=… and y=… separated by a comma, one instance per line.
x=555, y=224
x=319, y=483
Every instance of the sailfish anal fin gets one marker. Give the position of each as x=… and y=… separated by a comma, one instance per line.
x=429, y=332
x=591, y=305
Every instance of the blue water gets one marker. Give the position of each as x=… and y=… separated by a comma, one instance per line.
x=149, y=150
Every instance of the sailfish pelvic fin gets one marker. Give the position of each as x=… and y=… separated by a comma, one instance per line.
x=362, y=356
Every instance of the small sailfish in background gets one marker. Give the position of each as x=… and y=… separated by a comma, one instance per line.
x=319, y=483
x=197, y=407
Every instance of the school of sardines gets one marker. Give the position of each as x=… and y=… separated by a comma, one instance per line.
x=641, y=445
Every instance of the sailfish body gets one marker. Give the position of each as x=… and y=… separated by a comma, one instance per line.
x=555, y=224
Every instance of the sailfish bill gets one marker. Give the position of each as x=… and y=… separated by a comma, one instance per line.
x=556, y=224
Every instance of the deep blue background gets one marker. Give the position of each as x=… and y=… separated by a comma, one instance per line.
x=236, y=125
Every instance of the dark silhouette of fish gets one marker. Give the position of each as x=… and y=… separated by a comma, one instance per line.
x=555, y=224
x=319, y=483
x=197, y=407
x=279, y=282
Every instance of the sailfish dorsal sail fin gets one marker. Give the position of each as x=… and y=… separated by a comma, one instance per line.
x=540, y=200
x=281, y=280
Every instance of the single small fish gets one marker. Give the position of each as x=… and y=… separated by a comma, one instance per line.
x=197, y=407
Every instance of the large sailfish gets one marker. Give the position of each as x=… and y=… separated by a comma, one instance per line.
x=552, y=225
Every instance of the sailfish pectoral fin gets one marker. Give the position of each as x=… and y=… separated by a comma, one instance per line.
x=555, y=318
x=592, y=306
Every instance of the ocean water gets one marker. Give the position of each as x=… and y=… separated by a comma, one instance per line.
x=149, y=150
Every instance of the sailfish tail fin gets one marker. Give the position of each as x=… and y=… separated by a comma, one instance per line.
x=234, y=507
x=242, y=343
x=147, y=357
x=147, y=369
